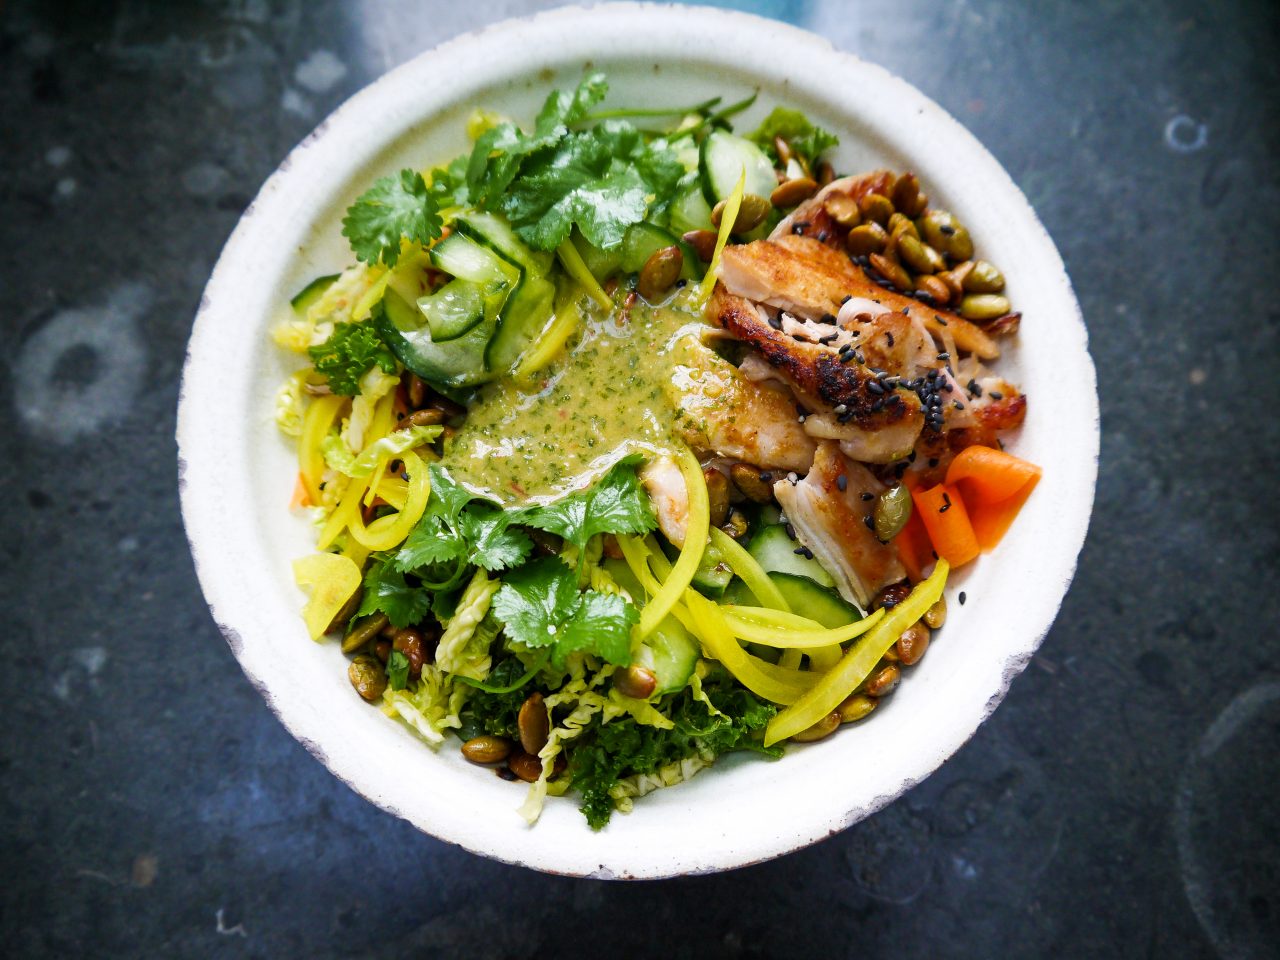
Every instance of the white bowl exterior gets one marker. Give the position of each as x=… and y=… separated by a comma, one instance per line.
x=237, y=472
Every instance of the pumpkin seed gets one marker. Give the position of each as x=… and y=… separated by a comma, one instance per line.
x=487, y=749
x=1004, y=326
x=936, y=615
x=983, y=278
x=826, y=172
x=703, y=243
x=820, y=730
x=748, y=479
x=855, y=708
x=635, y=681
x=792, y=192
x=877, y=207
x=919, y=257
x=891, y=271
x=946, y=234
x=660, y=272
x=913, y=643
x=751, y=213
x=935, y=288
x=882, y=681
x=736, y=526
x=717, y=494
x=843, y=209
x=906, y=195
x=367, y=676
x=866, y=240
x=984, y=306
x=891, y=513
x=363, y=632
x=954, y=278
x=525, y=765
x=783, y=149
x=533, y=723
x=898, y=225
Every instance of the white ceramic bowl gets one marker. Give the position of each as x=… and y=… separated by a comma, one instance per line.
x=237, y=473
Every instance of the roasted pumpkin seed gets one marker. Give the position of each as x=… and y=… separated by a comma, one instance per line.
x=820, y=730
x=912, y=644
x=877, y=207
x=363, y=632
x=751, y=482
x=367, y=676
x=938, y=291
x=936, y=615
x=487, y=749
x=533, y=723
x=703, y=243
x=984, y=306
x=855, y=708
x=635, y=681
x=792, y=192
x=660, y=272
x=946, y=234
x=920, y=257
x=892, y=511
x=718, y=495
x=899, y=224
x=867, y=239
x=751, y=213
x=843, y=209
x=906, y=195
x=891, y=271
x=882, y=681
x=983, y=278
x=525, y=765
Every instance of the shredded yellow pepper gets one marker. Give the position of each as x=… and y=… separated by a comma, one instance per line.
x=759, y=676
x=633, y=552
x=316, y=424
x=387, y=532
x=697, y=523
x=348, y=506
x=576, y=267
x=744, y=565
x=568, y=317
x=727, y=218
x=330, y=580
x=364, y=306
x=858, y=662
x=746, y=624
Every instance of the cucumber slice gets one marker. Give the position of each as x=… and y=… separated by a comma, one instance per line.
x=308, y=295
x=713, y=573
x=805, y=596
x=670, y=651
x=452, y=364
x=642, y=239
x=603, y=264
x=454, y=309
x=493, y=231
x=776, y=553
x=524, y=318
x=689, y=210
x=724, y=157
x=460, y=256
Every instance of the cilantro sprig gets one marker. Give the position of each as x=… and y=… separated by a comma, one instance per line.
x=395, y=208
x=806, y=139
x=615, y=504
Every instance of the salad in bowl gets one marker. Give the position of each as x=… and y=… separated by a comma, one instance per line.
x=631, y=439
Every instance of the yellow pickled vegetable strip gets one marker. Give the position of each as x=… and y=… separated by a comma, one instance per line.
x=356, y=552
x=770, y=635
x=697, y=523
x=348, y=507
x=727, y=218
x=749, y=570
x=756, y=622
x=858, y=662
x=316, y=423
x=364, y=306
x=577, y=269
x=635, y=555
x=751, y=672
x=657, y=559
x=389, y=531
x=395, y=491
x=552, y=341
x=791, y=658
x=380, y=424
x=822, y=659
x=330, y=580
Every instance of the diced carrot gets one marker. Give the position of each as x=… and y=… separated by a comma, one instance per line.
x=914, y=549
x=988, y=474
x=300, y=497
x=943, y=513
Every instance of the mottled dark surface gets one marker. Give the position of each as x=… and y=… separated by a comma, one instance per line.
x=1120, y=803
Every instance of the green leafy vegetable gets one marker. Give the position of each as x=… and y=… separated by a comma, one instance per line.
x=494, y=542
x=495, y=713
x=386, y=589
x=394, y=208
x=457, y=528
x=541, y=607
x=616, y=504
x=805, y=139
x=398, y=670
x=348, y=354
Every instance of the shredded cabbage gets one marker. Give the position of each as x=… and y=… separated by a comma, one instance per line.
x=463, y=648
x=374, y=385
x=432, y=708
x=290, y=400
x=679, y=771
x=338, y=456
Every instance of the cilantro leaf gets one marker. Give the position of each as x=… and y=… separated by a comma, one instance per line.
x=499, y=151
x=615, y=504
x=448, y=186
x=535, y=600
x=348, y=354
x=601, y=624
x=386, y=589
x=431, y=541
x=394, y=208
x=398, y=670
x=448, y=497
x=804, y=138
x=495, y=544
x=541, y=607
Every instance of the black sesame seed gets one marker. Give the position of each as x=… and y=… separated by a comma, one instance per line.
x=957, y=404
x=766, y=476
x=404, y=477
x=894, y=400
x=823, y=236
x=946, y=229
x=775, y=323
x=681, y=283
x=842, y=482
x=874, y=386
x=845, y=299
x=888, y=603
x=946, y=503
x=962, y=598
x=944, y=356
x=889, y=336
x=933, y=461
x=800, y=227
x=906, y=311
x=790, y=531
x=877, y=406
x=870, y=522
x=868, y=496
x=798, y=551
x=996, y=396
x=941, y=320
x=925, y=297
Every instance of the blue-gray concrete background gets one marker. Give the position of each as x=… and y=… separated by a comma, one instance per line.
x=1120, y=803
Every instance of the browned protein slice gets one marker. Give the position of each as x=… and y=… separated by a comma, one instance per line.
x=807, y=278
x=829, y=517
x=721, y=412
x=846, y=400
x=812, y=213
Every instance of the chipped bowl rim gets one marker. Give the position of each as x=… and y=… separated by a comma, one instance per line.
x=750, y=816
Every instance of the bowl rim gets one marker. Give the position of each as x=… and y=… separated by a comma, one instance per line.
x=327, y=137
